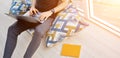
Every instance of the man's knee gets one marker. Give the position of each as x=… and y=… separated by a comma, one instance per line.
x=40, y=32
x=13, y=30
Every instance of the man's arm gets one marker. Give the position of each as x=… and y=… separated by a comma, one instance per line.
x=33, y=3
x=61, y=6
x=33, y=10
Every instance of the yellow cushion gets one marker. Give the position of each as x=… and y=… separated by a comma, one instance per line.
x=71, y=50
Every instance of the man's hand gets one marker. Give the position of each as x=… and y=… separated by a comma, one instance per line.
x=45, y=15
x=33, y=11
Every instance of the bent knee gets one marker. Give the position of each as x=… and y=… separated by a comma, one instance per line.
x=40, y=32
x=13, y=30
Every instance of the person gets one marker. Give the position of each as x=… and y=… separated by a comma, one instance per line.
x=48, y=10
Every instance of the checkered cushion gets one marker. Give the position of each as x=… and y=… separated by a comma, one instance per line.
x=19, y=7
x=66, y=23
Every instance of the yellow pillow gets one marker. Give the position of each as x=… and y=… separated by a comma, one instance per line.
x=71, y=50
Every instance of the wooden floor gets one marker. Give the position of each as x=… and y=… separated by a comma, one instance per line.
x=95, y=41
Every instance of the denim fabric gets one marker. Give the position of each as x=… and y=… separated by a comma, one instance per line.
x=17, y=28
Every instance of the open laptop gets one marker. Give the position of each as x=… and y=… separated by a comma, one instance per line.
x=31, y=19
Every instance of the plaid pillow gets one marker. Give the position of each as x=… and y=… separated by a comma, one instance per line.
x=66, y=23
x=19, y=7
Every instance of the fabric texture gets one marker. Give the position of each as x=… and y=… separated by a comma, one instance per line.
x=19, y=7
x=45, y=5
x=65, y=24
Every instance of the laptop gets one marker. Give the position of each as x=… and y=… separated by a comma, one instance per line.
x=30, y=19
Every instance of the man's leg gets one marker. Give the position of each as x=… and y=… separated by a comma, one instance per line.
x=40, y=32
x=12, y=35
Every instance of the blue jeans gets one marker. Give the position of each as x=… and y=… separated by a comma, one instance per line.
x=20, y=26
